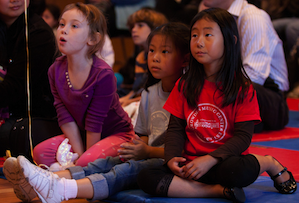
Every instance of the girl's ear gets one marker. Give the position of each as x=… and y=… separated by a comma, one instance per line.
x=186, y=60
x=235, y=39
x=94, y=39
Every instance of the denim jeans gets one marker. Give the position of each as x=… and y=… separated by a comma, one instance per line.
x=111, y=175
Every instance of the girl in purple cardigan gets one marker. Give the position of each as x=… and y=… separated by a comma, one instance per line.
x=84, y=89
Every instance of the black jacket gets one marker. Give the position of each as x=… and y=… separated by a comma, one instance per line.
x=13, y=89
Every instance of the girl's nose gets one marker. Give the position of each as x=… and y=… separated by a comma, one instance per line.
x=200, y=43
x=156, y=58
x=63, y=31
x=133, y=29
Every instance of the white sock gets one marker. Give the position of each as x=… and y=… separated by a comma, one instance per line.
x=70, y=188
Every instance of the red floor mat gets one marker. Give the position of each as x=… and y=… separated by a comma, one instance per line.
x=288, y=158
x=293, y=104
x=286, y=133
x=1, y=161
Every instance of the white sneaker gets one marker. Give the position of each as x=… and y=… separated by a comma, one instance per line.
x=45, y=183
x=22, y=188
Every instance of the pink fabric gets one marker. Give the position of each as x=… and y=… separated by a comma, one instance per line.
x=45, y=152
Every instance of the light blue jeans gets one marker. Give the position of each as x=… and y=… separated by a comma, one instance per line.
x=111, y=175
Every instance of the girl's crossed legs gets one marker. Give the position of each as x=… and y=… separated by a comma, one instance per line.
x=221, y=181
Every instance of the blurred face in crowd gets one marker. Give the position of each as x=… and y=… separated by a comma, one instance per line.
x=49, y=18
x=140, y=32
x=10, y=10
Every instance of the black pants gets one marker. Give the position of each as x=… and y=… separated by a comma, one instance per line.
x=5, y=130
x=236, y=171
x=14, y=134
x=274, y=110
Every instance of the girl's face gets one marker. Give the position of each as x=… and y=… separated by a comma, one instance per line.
x=73, y=33
x=164, y=60
x=207, y=45
x=140, y=32
x=49, y=18
x=11, y=10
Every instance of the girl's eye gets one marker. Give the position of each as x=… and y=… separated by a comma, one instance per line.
x=208, y=35
x=139, y=25
x=75, y=26
x=151, y=50
x=194, y=35
x=61, y=24
x=165, y=51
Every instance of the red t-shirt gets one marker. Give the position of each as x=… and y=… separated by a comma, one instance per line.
x=209, y=125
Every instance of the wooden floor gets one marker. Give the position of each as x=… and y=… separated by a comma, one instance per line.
x=7, y=195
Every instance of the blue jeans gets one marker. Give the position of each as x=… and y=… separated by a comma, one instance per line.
x=111, y=175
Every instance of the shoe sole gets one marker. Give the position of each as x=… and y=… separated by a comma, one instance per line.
x=14, y=175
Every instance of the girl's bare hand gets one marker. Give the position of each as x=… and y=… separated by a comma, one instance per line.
x=136, y=150
x=199, y=166
x=173, y=164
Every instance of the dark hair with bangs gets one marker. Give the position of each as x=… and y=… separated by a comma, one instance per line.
x=231, y=75
x=146, y=15
x=178, y=33
x=96, y=21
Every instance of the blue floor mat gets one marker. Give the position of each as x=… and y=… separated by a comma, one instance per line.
x=1, y=173
x=261, y=191
x=291, y=144
x=293, y=120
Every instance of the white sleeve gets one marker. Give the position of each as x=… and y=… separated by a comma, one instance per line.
x=255, y=44
x=107, y=53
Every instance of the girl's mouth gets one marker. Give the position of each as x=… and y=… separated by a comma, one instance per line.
x=15, y=8
x=200, y=53
x=62, y=39
x=155, y=68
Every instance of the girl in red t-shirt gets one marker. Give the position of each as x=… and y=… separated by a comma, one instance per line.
x=213, y=111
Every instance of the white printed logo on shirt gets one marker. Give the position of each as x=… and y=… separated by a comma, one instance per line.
x=159, y=124
x=208, y=123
